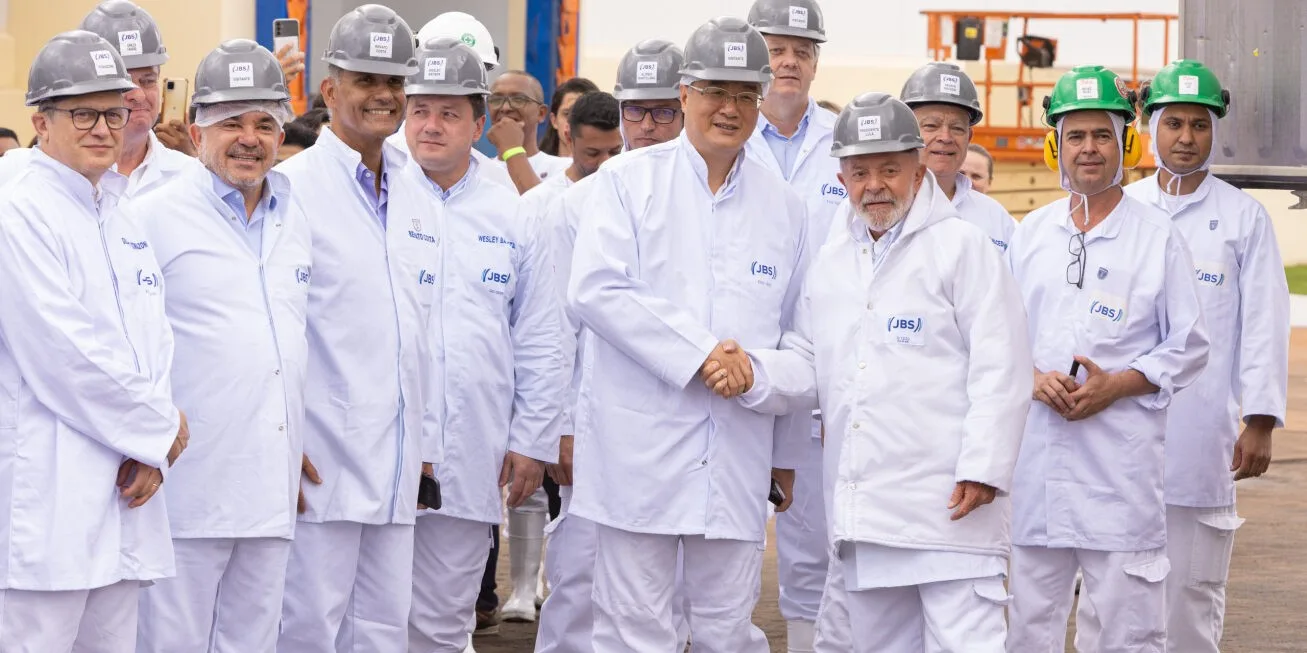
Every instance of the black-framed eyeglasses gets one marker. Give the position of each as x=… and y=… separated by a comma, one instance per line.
x=719, y=96
x=1075, y=273
x=85, y=119
x=517, y=101
x=661, y=115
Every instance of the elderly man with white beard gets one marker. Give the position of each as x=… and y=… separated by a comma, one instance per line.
x=921, y=362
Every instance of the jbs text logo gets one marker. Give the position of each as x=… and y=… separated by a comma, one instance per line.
x=490, y=276
x=380, y=45
x=910, y=324
x=426, y=278
x=150, y=281
x=1099, y=309
x=1214, y=279
x=833, y=191
x=240, y=74
x=303, y=275
x=762, y=270
x=136, y=244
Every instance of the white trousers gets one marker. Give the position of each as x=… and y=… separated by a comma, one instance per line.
x=348, y=588
x=225, y=598
x=1125, y=587
x=960, y=616
x=102, y=620
x=802, y=545
x=449, y=559
x=634, y=586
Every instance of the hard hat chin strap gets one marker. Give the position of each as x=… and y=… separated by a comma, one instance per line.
x=1118, y=125
x=1172, y=186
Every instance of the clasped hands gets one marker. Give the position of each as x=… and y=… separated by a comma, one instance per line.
x=727, y=370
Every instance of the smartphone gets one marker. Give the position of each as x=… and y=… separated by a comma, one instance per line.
x=1075, y=368
x=777, y=495
x=429, y=492
x=174, y=100
x=285, y=31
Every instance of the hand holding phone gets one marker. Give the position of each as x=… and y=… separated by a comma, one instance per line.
x=174, y=100
x=777, y=495
x=429, y=492
x=286, y=46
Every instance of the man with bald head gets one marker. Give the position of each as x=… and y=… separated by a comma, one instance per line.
x=517, y=107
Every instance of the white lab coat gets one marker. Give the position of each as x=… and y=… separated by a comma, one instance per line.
x=84, y=385
x=1097, y=483
x=239, y=369
x=161, y=165
x=544, y=165
x=1245, y=301
x=369, y=345
x=537, y=201
x=664, y=270
x=13, y=162
x=497, y=345
x=922, y=367
x=984, y=212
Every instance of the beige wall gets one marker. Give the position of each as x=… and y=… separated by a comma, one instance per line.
x=190, y=29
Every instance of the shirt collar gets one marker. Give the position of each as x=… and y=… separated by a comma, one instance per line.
x=701, y=167
x=111, y=183
x=768, y=129
x=232, y=196
x=960, y=191
x=458, y=186
x=1110, y=227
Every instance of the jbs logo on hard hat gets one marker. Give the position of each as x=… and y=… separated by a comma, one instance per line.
x=736, y=55
x=103, y=60
x=1188, y=85
x=950, y=84
x=1087, y=88
x=129, y=42
x=240, y=74
x=380, y=46
x=646, y=72
x=869, y=128
x=435, y=69
x=799, y=17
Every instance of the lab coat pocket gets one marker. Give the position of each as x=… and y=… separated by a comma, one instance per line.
x=1213, y=544
x=1104, y=314
x=992, y=590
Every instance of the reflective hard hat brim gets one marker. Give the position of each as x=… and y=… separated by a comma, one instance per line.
x=659, y=93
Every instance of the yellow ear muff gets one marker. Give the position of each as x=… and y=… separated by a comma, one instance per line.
x=1050, y=149
x=1132, y=149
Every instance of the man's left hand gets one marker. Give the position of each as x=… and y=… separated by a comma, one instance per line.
x=969, y=495
x=1252, y=452
x=561, y=472
x=138, y=481
x=291, y=64
x=525, y=473
x=785, y=479
x=1095, y=394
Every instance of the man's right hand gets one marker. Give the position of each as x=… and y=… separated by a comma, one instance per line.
x=311, y=473
x=179, y=443
x=727, y=370
x=1054, y=390
x=506, y=135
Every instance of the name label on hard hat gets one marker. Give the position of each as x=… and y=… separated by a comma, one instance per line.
x=950, y=84
x=129, y=42
x=380, y=45
x=240, y=74
x=1087, y=88
x=435, y=69
x=1188, y=85
x=646, y=72
x=737, y=56
x=103, y=60
x=869, y=128
x=799, y=17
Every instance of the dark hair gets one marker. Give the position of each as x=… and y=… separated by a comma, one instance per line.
x=32, y=143
x=595, y=109
x=6, y=132
x=317, y=102
x=551, y=142
x=980, y=149
x=299, y=134
x=829, y=106
x=478, y=106
x=312, y=119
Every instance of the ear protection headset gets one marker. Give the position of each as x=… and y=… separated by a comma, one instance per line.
x=1132, y=150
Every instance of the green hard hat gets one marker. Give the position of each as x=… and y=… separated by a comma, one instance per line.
x=1186, y=82
x=1089, y=88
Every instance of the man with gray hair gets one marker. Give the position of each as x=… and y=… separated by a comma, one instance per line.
x=234, y=250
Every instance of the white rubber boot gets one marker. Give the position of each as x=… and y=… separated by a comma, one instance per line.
x=799, y=636
x=542, y=583
x=525, y=548
x=469, y=648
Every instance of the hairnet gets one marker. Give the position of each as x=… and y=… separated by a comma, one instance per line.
x=212, y=114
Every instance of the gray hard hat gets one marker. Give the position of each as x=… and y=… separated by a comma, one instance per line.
x=942, y=83
x=130, y=30
x=800, y=18
x=447, y=66
x=727, y=49
x=875, y=123
x=76, y=63
x=239, y=70
x=372, y=39
x=650, y=71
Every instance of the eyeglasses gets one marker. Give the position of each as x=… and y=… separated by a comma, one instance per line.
x=661, y=115
x=719, y=96
x=518, y=101
x=1075, y=273
x=86, y=119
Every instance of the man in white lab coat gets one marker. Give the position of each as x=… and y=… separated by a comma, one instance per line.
x=594, y=138
x=648, y=95
x=948, y=107
x=1245, y=301
x=917, y=466
x=85, y=352
x=667, y=282
x=1116, y=330
x=498, y=365
x=375, y=242
x=233, y=245
x=793, y=139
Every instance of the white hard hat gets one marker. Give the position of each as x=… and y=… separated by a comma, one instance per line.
x=463, y=27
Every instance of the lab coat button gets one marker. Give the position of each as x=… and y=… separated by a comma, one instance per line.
x=869, y=306
x=703, y=462
x=277, y=372
x=281, y=427
x=855, y=425
x=862, y=365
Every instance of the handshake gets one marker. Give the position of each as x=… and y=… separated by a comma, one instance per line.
x=727, y=371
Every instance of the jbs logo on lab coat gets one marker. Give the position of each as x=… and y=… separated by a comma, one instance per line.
x=763, y=272
x=303, y=275
x=1210, y=274
x=833, y=193
x=426, y=278
x=905, y=330
x=495, y=280
x=1107, y=307
x=149, y=281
